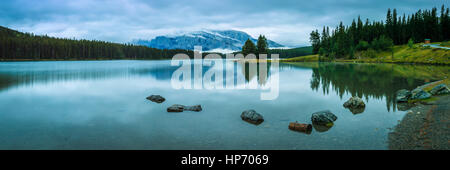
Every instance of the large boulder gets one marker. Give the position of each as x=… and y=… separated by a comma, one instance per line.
x=440, y=89
x=181, y=108
x=418, y=94
x=403, y=95
x=156, y=98
x=323, y=117
x=252, y=116
x=354, y=102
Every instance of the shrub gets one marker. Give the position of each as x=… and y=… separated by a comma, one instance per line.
x=411, y=43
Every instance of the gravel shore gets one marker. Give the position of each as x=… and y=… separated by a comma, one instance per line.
x=426, y=126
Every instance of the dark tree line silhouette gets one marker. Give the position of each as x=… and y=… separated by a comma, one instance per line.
x=16, y=45
x=344, y=41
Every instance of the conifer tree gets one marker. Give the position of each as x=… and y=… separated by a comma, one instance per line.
x=249, y=48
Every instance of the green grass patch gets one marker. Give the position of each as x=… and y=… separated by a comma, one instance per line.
x=400, y=54
x=307, y=58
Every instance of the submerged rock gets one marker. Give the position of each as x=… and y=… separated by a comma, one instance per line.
x=175, y=108
x=322, y=128
x=323, y=117
x=156, y=98
x=252, y=116
x=419, y=94
x=357, y=110
x=181, y=108
x=195, y=108
x=440, y=89
x=403, y=95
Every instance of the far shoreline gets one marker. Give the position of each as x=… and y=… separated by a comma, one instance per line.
x=285, y=60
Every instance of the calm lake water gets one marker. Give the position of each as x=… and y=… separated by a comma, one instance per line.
x=102, y=105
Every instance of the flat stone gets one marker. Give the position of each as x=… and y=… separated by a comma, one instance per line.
x=156, y=98
x=175, y=108
x=440, y=90
x=181, y=108
x=195, y=108
x=418, y=94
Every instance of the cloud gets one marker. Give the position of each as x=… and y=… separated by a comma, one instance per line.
x=288, y=22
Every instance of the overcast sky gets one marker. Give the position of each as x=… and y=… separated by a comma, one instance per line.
x=288, y=22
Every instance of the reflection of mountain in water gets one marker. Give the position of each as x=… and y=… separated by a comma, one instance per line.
x=371, y=80
x=27, y=74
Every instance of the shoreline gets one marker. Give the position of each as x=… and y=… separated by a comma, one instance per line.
x=424, y=127
x=27, y=60
x=268, y=61
x=295, y=60
x=368, y=62
x=426, y=124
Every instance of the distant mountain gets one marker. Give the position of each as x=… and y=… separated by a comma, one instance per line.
x=211, y=40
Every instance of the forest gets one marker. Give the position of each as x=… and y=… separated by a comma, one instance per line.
x=344, y=41
x=15, y=45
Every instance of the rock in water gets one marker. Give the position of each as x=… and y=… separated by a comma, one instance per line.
x=440, y=89
x=354, y=102
x=357, y=110
x=195, y=108
x=322, y=128
x=323, y=117
x=175, y=108
x=252, y=116
x=181, y=108
x=403, y=95
x=156, y=98
x=419, y=94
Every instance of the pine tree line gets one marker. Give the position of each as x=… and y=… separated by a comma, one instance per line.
x=16, y=46
x=344, y=41
x=261, y=46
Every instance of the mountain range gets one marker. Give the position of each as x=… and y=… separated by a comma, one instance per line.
x=223, y=41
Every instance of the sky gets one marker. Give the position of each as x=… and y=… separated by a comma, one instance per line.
x=288, y=22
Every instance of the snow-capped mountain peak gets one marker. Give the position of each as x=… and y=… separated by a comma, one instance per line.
x=210, y=40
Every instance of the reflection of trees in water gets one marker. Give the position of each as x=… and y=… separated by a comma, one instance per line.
x=260, y=68
x=363, y=80
x=29, y=77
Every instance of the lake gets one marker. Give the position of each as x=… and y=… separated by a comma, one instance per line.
x=103, y=105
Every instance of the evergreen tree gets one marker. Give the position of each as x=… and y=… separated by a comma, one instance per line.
x=315, y=41
x=261, y=44
x=249, y=48
x=389, y=24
